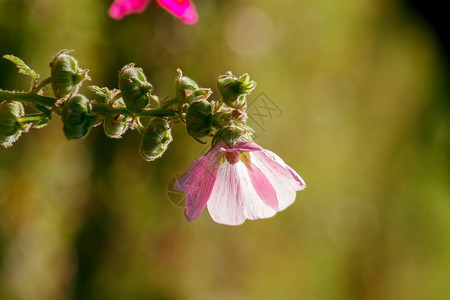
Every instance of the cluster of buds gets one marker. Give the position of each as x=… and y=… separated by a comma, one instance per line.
x=128, y=107
x=205, y=117
x=236, y=179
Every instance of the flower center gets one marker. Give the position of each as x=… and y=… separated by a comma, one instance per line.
x=233, y=157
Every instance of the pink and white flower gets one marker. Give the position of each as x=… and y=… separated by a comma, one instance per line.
x=182, y=9
x=237, y=183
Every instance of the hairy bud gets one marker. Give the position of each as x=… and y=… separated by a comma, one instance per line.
x=198, y=119
x=198, y=94
x=67, y=76
x=184, y=86
x=155, y=139
x=134, y=87
x=115, y=125
x=76, y=118
x=234, y=90
x=10, y=129
x=233, y=134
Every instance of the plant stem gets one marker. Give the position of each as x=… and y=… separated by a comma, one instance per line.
x=97, y=108
x=26, y=97
x=31, y=118
x=104, y=109
x=42, y=84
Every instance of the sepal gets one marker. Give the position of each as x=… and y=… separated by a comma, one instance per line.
x=233, y=134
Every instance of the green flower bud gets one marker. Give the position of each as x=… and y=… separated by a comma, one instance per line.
x=198, y=94
x=184, y=86
x=198, y=119
x=221, y=119
x=233, y=134
x=76, y=119
x=134, y=87
x=10, y=129
x=155, y=139
x=234, y=90
x=115, y=125
x=67, y=77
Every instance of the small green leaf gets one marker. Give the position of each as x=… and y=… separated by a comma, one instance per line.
x=22, y=66
x=102, y=92
x=43, y=122
x=110, y=96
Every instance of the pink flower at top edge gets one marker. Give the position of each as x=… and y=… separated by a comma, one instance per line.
x=237, y=183
x=182, y=9
x=121, y=8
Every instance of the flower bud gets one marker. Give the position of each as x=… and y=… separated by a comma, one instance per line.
x=66, y=75
x=155, y=139
x=115, y=125
x=134, y=88
x=10, y=129
x=76, y=119
x=198, y=94
x=233, y=134
x=221, y=119
x=198, y=119
x=184, y=86
x=234, y=90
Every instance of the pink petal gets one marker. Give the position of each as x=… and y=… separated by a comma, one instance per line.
x=182, y=9
x=234, y=199
x=278, y=159
x=122, y=8
x=263, y=187
x=279, y=175
x=197, y=183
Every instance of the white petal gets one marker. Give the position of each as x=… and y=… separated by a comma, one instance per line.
x=234, y=198
x=283, y=179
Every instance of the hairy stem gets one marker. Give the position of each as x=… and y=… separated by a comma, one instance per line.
x=26, y=97
x=42, y=84
x=31, y=118
x=104, y=109
x=98, y=108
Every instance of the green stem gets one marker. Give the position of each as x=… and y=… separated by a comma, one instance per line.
x=31, y=118
x=157, y=113
x=98, y=108
x=26, y=97
x=42, y=84
x=104, y=109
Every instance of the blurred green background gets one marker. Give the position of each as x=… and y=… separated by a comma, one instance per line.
x=363, y=117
